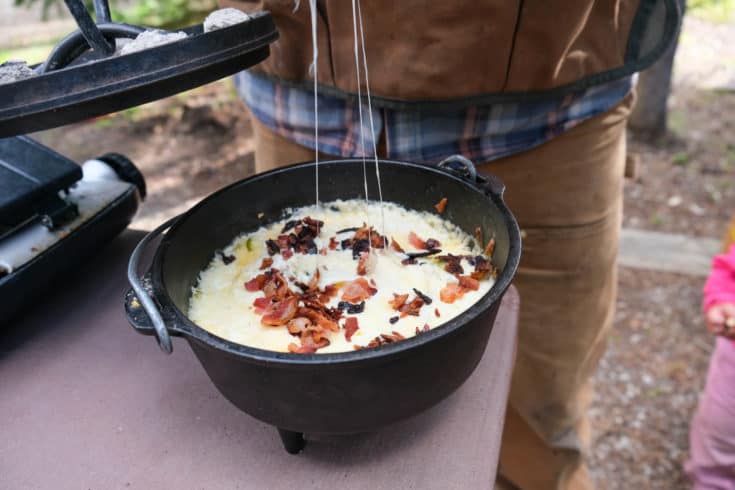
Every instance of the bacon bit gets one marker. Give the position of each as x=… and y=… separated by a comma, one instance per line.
x=318, y=318
x=323, y=251
x=313, y=285
x=295, y=349
x=431, y=244
x=350, y=327
x=289, y=225
x=451, y=292
x=415, y=241
x=314, y=224
x=267, y=262
x=261, y=304
x=308, y=345
x=300, y=240
x=478, y=236
x=276, y=285
x=367, y=263
x=436, y=312
x=360, y=247
x=412, y=308
x=298, y=325
x=362, y=265
x=272, y=247
x=482, y=268
x=395, y=246
x=468, y=282
x=333, y=243
x=357, y=290
x=423, y=330
x=441, y=205
x=454, y=264
x=385, y=339
x=286, y=241
x=393, y=319
x=368, y=233
x=286, y=254
x=373, y=283
x=330, y=313
x=398, y=301
x=281, y=312
x=330, y=291
x=256, y=283
x=490, y=247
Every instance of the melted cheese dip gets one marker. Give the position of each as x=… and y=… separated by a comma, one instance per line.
x=221, y=304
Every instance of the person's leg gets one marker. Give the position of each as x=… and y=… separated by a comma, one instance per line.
x=567, y=197
x=273, y=150
x=712, y=435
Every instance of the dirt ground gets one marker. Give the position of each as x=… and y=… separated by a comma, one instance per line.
x=187, y=146
x=648, y=383
x=649, y=380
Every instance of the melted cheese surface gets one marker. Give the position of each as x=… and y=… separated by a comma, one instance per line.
x=221, y=305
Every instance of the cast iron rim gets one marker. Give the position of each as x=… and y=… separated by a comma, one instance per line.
x=192, y=331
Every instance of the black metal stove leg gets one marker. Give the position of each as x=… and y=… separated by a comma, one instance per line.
x=102, y=11
x=89, y=29
x=293, y=442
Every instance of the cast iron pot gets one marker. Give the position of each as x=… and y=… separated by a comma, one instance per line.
x=340, y=393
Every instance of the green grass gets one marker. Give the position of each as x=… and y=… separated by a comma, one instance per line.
x=721, y=11
x=681, y=158
x=29, y=54
x=677, y=121
x=730, y=156
x=656, y=220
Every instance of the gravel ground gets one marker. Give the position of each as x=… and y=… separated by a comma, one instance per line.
x=648, y=383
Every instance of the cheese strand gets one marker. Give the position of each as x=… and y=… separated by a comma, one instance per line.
x=362, y=127
x=370, y=115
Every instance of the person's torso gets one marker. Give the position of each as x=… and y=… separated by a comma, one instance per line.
x=469, y=51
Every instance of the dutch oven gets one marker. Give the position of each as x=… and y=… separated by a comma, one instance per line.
x=339, y=393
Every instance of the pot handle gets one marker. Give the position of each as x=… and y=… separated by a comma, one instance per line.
x=464, y=168
x=144, y=298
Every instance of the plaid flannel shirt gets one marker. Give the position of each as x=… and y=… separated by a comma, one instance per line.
x=480, y=133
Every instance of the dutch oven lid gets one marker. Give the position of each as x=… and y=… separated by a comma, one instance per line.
x=77, y=83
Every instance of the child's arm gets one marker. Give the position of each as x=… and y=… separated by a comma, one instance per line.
x=719, y=295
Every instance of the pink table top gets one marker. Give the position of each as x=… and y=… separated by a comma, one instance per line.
x=87, y=403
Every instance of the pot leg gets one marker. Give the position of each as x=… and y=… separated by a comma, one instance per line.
x=293, y=442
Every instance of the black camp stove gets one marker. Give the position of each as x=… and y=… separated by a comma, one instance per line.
x=54, y=212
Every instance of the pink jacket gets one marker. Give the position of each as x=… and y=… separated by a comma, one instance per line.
x=720, y=285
